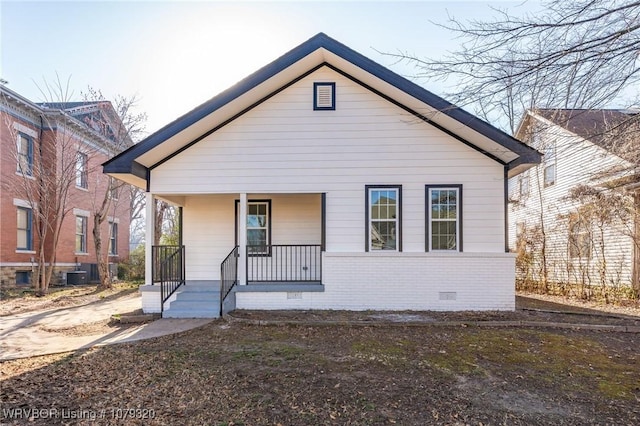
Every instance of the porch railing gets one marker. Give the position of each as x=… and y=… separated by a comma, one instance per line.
x=168, y=270
x=284, y=263
x=228, y=275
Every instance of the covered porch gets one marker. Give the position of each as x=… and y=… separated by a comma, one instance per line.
x=234, y=242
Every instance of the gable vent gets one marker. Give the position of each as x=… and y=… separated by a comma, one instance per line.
x=324, y=96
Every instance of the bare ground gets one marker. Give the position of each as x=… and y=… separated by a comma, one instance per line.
x=243, y=374
x=18, y=300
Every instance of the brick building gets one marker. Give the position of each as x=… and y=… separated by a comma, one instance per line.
x=58, y=147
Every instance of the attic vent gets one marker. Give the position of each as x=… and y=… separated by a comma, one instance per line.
x=324, y=96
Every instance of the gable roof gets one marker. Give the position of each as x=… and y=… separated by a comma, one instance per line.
x=617, y=131
x=134, y=164
x=97, y=120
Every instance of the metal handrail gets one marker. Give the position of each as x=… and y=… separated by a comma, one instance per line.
x=284, y=263
x=168, y=269
x=228, y=275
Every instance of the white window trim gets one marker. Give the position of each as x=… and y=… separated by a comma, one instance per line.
x=23, y=203
x=544, y=174
x=26, y=130
x=80, y=212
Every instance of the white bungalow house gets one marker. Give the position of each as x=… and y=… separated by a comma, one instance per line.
x=586, y=195
x=326, y=181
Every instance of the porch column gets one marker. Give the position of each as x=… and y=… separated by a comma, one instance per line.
x=242, y=240
x=149, y=237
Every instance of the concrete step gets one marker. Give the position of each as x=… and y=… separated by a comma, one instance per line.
x=193, y=304
x=191, y=313
x=195, y=299
x=199, y=295
x=198, y=289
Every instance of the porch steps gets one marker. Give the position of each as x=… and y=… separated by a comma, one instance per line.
x=196, y=299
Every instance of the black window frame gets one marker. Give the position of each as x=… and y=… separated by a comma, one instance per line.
x=316, y=86
x=367, y=224
x=267, y=252
x=459, y=217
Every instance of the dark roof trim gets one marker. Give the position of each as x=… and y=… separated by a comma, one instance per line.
x=135, y=169
x=416, y=114
x=218, y=101
x=527, y=158
x=346, y=75
x=318, y=41
x=244, y=111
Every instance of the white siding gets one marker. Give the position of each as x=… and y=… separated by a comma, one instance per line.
x=209, y=227
x=284, y=146
x=577, y=162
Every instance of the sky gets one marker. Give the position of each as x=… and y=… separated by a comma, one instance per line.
x=175, y=55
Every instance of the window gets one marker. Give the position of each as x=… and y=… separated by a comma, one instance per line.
x=258, y=226
x=81, y=234
x=25, y=219
x=113, y=189
x=579, y=237
x=444, y=217
x=82, y=177
x=324, y=96
x=523, y=184
x=25, y=154
x=23, y=277
x=550, y=165
x=113, y=238
x=383, y=217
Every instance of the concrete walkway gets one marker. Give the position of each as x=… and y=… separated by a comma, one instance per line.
x=43, y=332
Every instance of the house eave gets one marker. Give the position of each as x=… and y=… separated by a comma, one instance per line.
x=319, y=50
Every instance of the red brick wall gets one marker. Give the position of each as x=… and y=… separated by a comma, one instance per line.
x=11, y=184
x=89, y=199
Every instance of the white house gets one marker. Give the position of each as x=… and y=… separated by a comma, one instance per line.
x=586, y=193
x=326, y=181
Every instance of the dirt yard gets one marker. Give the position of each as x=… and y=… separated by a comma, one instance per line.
x=242, y=374
x=19, y=300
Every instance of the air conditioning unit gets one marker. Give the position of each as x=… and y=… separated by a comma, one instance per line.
x=77, y=278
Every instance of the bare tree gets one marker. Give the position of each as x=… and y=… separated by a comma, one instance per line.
x=46, y=178
x=579, y=54
x=571, y=54
x=121, y=131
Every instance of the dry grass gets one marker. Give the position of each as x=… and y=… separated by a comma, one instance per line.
x=19, y=300
x=239, y=374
